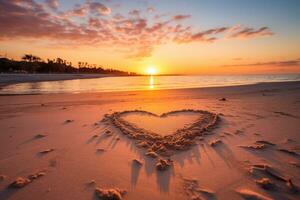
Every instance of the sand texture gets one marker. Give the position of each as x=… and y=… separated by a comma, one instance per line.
x=234, y=143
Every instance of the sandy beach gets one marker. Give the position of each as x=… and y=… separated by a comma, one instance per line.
x=64, y=146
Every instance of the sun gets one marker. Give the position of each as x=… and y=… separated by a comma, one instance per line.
x=151, y=70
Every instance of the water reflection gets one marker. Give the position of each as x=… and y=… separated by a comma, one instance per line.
x=109, y=84
x=151, y=82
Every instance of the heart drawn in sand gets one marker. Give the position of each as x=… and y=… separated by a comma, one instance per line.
x=161, y=125
x=165, y=133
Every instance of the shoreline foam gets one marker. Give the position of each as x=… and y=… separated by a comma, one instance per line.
x=109, y=84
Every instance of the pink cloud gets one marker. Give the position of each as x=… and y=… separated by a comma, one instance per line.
x=99, y=8
x=53, y=4
x=251, y=33
x=80, y=11
x=134, y=12
x=180, y=17
x=131, y=33
x=150, y=9
x=212, y=35
x=209, y=35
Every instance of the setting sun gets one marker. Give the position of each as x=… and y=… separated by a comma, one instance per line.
x=151, y=70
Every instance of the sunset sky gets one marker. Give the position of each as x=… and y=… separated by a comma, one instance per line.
x=173, y=36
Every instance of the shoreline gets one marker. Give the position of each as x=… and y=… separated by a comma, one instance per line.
x=13, y=79
x=214, y=89
x=10, y=79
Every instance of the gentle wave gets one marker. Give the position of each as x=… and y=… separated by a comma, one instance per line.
x=110, y=84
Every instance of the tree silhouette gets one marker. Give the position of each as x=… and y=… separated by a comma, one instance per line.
x=31, y=58
x=34, y=64
x=36, y=59
x=27, y=57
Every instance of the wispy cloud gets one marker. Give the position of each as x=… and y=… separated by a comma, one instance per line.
x=279, y=63
x=181, y=17
x=237, y=59
x=251, y=33
x=209, y=35
x=100, y=26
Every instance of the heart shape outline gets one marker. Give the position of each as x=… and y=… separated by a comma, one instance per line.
x=165, y=145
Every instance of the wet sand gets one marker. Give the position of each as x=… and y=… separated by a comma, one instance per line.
x=61, y=148
x=7, y=79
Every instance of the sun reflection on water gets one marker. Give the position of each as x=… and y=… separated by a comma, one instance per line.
x=151, y=82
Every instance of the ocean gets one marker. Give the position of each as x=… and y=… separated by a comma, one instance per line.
x=134, y=83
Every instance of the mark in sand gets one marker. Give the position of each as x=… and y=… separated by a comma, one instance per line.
x=46, y=151
x=194, y=191
x=164, y=144
x=110, y=194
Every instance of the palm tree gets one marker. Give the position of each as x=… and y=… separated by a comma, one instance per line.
x=27, y=57
x=31, y=58
x=59, y=61
x=36, y=59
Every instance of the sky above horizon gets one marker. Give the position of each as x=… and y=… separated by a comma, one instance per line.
x=175, y=37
